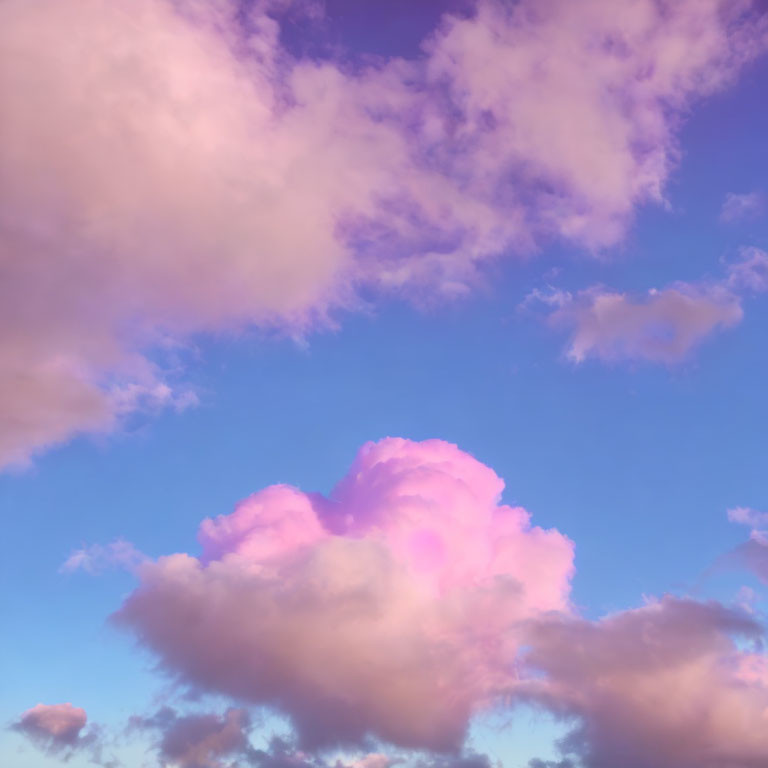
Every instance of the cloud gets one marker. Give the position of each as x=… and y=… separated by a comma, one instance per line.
x=58, y=729
x=212, y=740
x=200, y=740
x=579, y=102
x=119, y=554
x=737, y=207
x=748, y=516
x=750, y=272
x=538, y=763
x=752, y=554
x=661, y=327
x=169, y=169
x=663, y=686
x=389, y=608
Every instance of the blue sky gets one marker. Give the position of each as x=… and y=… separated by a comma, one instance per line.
x=636, y=462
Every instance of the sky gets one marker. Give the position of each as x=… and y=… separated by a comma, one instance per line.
x=383, y=383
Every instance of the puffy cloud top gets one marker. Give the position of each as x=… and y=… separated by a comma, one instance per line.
x=390, y=608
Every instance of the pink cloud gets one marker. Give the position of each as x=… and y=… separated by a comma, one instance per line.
x=664, y=686
x=165, y=172
x=579, y=102
x=55, y=728
x=661, y=327
x=389, y=608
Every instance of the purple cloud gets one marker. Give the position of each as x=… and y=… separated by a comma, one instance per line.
x=167, y=170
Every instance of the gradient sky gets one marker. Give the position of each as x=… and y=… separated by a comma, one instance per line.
x=242, y=241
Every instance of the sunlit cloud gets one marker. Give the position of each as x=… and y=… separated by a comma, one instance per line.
x=169, y=169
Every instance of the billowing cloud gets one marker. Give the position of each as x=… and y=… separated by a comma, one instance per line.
x=169, y=168
x=57, y=729
x=389, y=608
x=664, y=686
x=737, y=206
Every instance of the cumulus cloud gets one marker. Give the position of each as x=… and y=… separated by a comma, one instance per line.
x=57, y=729
x=663, y=686
x=168, y=168
x=388, y=609
x=737, y=207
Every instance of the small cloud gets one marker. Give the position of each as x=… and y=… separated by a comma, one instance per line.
x=662, y=326
x=751, y=272
x=152, y=396
x=747, y=516
x=737, y=207
x=59, y=730
x=118, y=554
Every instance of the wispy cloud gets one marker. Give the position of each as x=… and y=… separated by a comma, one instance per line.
x=737, y=207
x=95, y=558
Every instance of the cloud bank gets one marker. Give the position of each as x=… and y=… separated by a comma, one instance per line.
x=169, y=168
x=406, y=602
x=391, y=608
